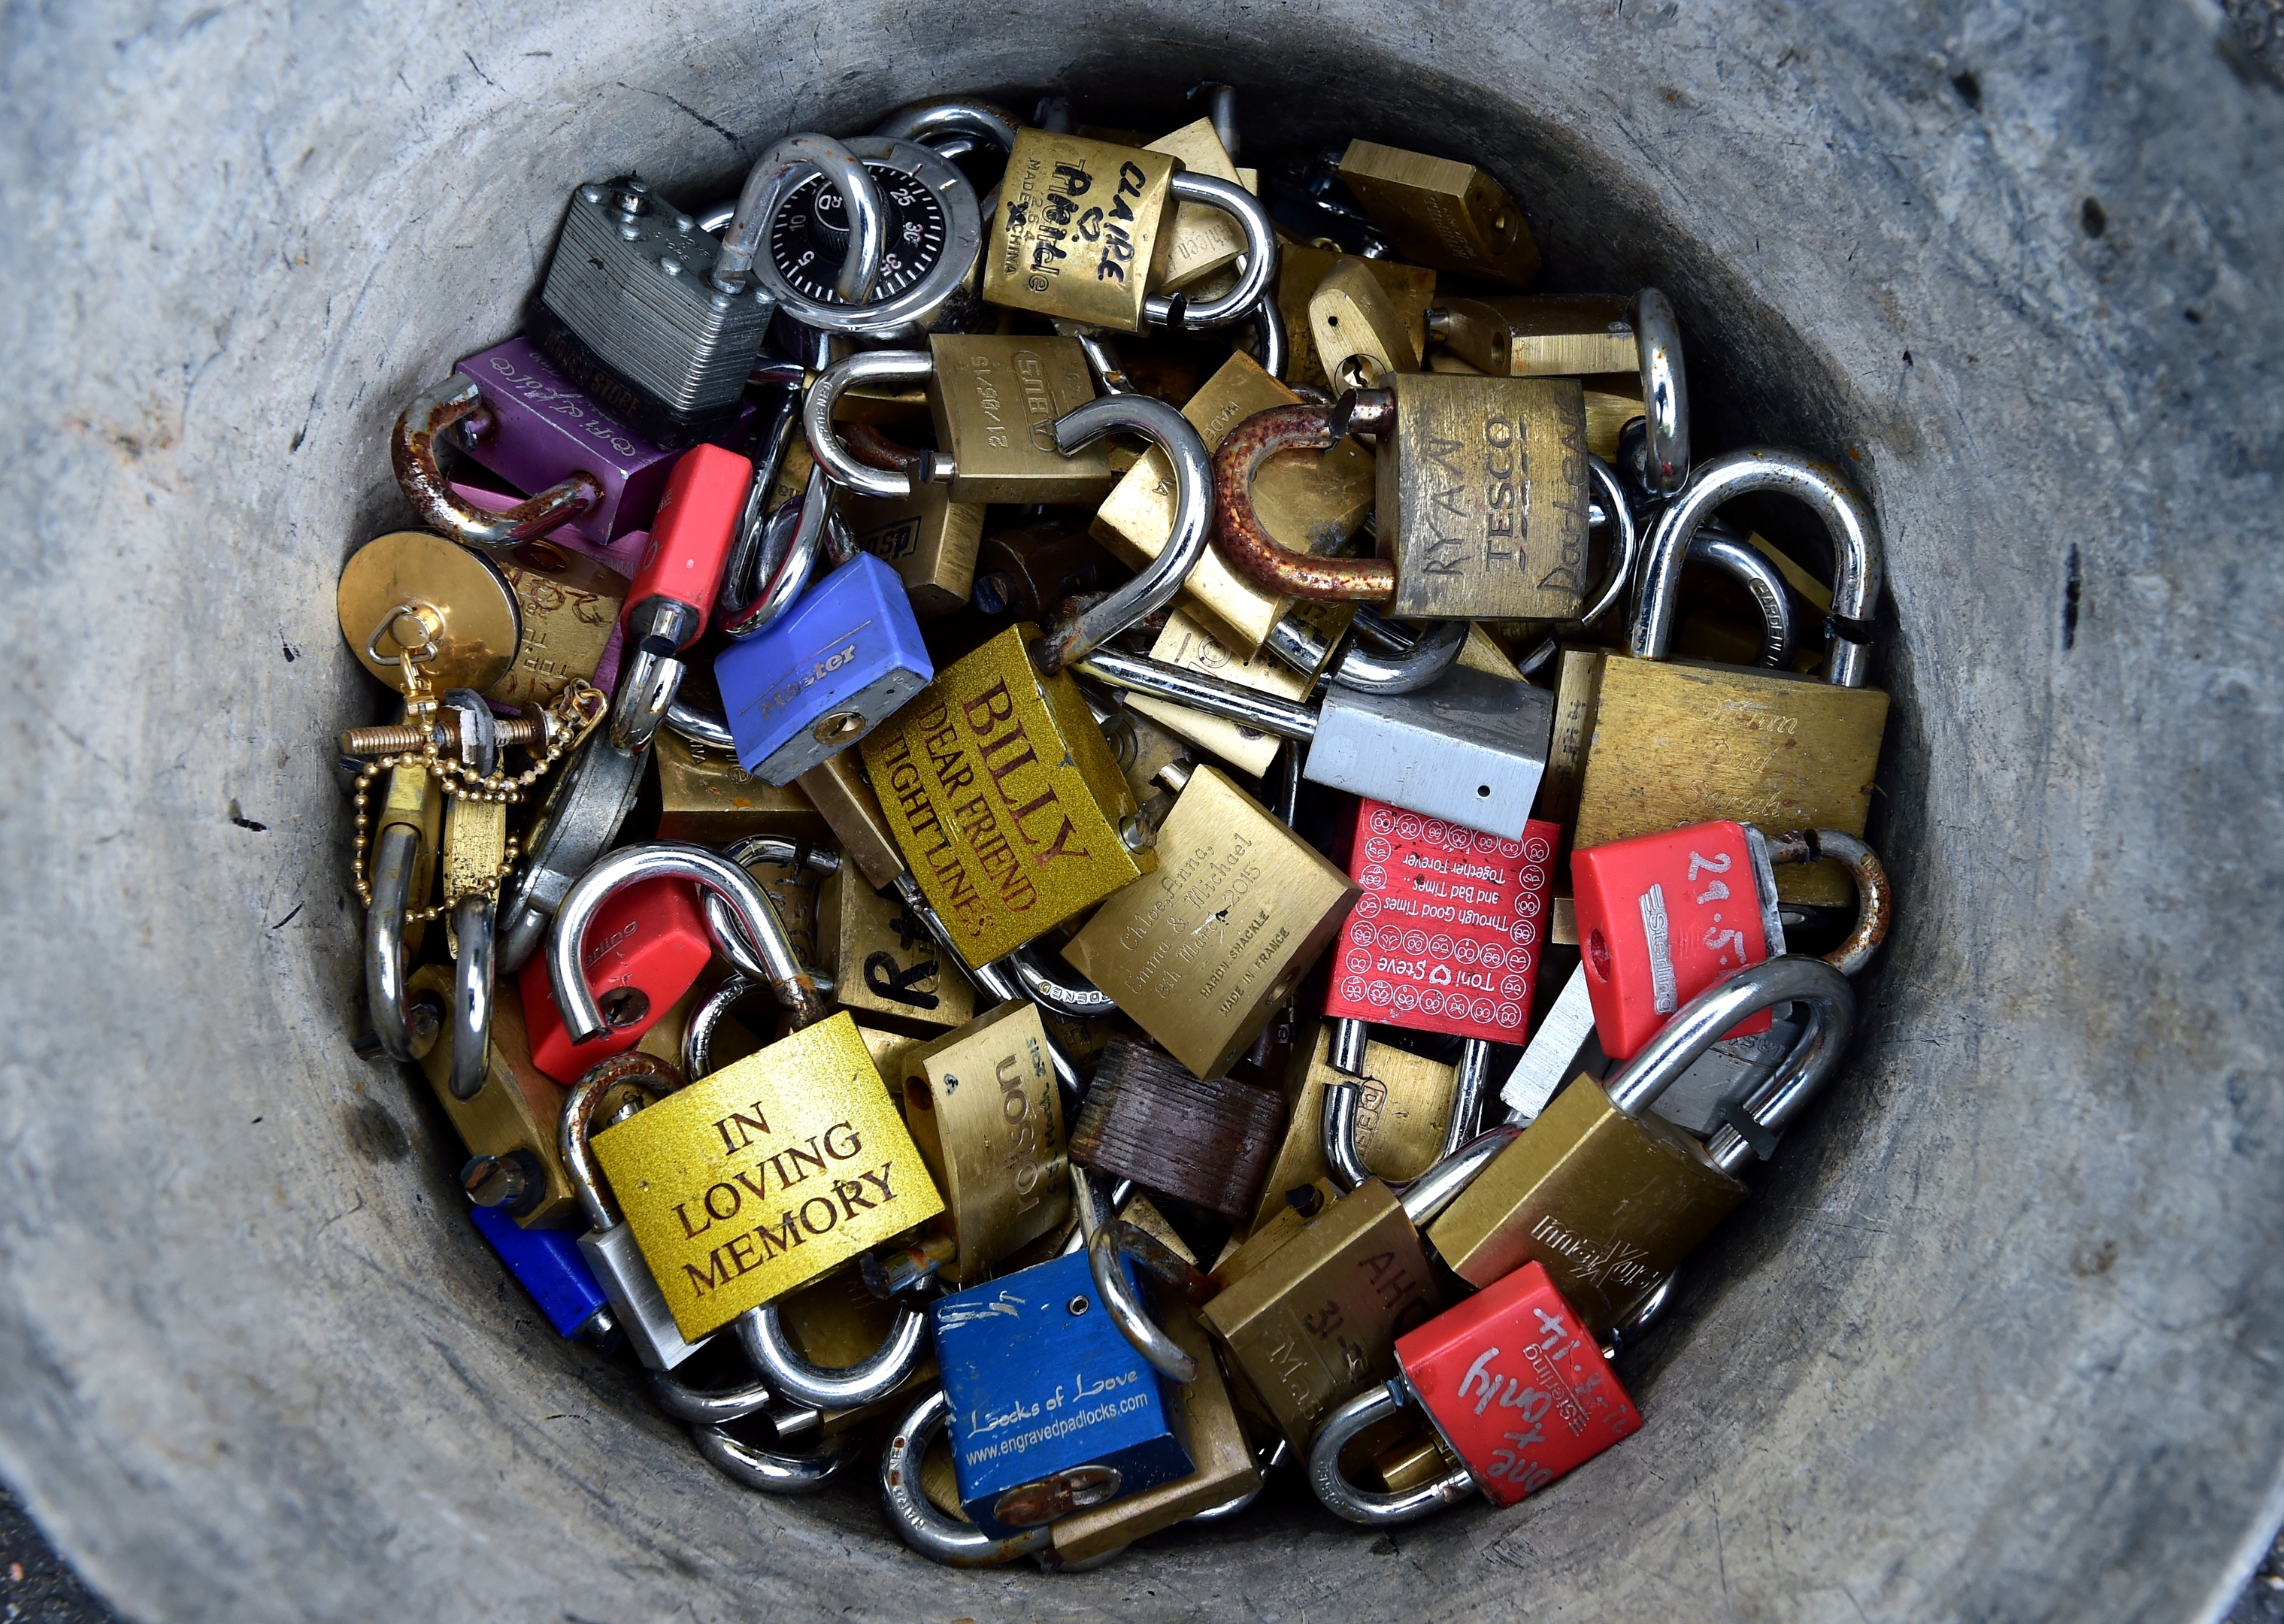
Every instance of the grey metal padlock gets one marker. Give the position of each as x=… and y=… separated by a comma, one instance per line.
x=575, y=825
x=1719, y=1081
x=609, y=1246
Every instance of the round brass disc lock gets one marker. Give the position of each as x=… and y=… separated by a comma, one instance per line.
x=409, y=589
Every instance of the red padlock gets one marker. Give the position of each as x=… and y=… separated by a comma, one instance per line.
x=1448, y=932
x=1662, y=917
x=690, y=541
x=647, y=943
x=1517, y=1389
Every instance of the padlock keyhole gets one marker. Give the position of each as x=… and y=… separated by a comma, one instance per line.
x=1482, y=791
x=1598, y=956
x=623, y=1006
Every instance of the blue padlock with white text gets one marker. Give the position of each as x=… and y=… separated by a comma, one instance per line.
x=841, y=662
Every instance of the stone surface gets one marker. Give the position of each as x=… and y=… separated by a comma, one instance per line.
x=1999, y=1335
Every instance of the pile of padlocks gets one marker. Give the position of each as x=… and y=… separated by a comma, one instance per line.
x=981, y=698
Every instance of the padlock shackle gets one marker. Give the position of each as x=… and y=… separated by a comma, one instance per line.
x=756, y=914
x=914, y=1515
x=1379, y=1511
x=635, y=1070
x=580, y=815
x=412, y=451
x=786, y=558
x=1665, y=392
x=1875, y=900
x=1244, y=541
x=1847, y=519
x=395, y=862
x=1721, y=548
x=780, y=169
x=1079, y=625
x=1699, y=1023
x=1343, y=1105
x=707, y=1406
x=1060, y=990
x=868, y=1381
x=1362, y=670
x=472, y=985
x=950, y=115
x=758, y=551
x=1138, y=674
x=1805, y=1070
x=769, y=1473
x=746, y=851
x=1260, y=261
x=866, y=366
x=1108, y=1238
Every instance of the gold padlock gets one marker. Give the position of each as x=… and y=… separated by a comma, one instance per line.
x=984, y=1108
x=1301, y=269
x=705, y=797
x=1401, y=1119
x=885, y=964
x=1613, y=400
x=1186, y=643
x=1201, y=240
x=411, y=593
x=1201, y=953
x=1440, y=213
x=1314, y=1321
x=1309, y=505
x=513, y=1113
x=1481, y=501
x=843, y=798
x=765, y=1175
x=928, y=539
x=1361, y=337
x=568, y=606
x=1672, y=742
x=995, y=401
x=1004, y=799
x=1540, y=335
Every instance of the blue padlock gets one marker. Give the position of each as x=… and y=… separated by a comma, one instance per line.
x=839, y=663
x=1052, y=1409
x=547, y=1264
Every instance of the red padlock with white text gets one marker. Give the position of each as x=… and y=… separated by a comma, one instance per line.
x=648, y=942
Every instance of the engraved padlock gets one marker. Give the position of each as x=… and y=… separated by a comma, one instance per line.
x=1482, y=501
x=885, y=965
x=1516, y=1388
x=1440, y=213
x=568, y=614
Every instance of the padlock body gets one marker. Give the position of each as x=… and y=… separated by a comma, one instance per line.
x=928, y=539
x=1004, y=798
x=1482, y=497
x=568, y=607
x=1441, y=212
x=1078, y=229
x=1544, y=335
x=643, y=947
x=548, y=1264
x=1404, y=1107
x=1673, y=742
x=1315, y=1321
x=1662, y=918
x=666, y=353
x=1516, y=1386
x=1469, y=750
x=1447, y=932
x=691, y=536
x=996, y=399
x=1200, y=239
x=1186, y=644
x=1148, y=1117
x=765, y=1175
x=706, y=797
x=984, y=1109
x=636, y=1300
x=1043, y=1389
x=514, y=1112
x=545, y=429
x=844, y=659
x=1301, y=269
x=1607, y=1202
x=463, y=609
x=1201, y=953
x=886, y=965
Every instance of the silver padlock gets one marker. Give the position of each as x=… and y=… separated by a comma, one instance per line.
x=609, y=1245
x=576, y=824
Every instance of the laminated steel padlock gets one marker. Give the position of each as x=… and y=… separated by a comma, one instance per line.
x=1447, y=931
x=1539, y=335
x=1664, y=917
x=1201, y=953
x=412, y=594
x=1482, y=500
x=1361, y=337
x=646, y=945
x=1440, y=213
x=1303, y=269
x=549, y=1265
x=1207, y=1141
x=766, y=1175
x=705, y=798
x=1312, y=1308
x=656, y=320
x=928, y=539
x=1610, y=1197
x=1078, y=229
x=821, y=677
x=1311, y=505
x=1404, y=1118
x=982, y=1106
x=885, y=964
x=1052, y=1409
x=509, y=1121
x=1516, y=1388
x=1673, y=742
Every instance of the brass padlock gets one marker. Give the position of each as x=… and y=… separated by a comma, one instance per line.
x=1609, y=1196
x=705, y=797
x=1203, y=952
x=1201, y=239
x=396, y=871
x=1078, y=227
x=1206, y=1141
x=1541, y=335
x=1302, y=269
x=1313, y=1321
x=1482, y=506
x=766, y=1176
x=1440, y=213
x=1673, y=742
x=885, y=965
x=568, y=607
x=1361, y=337
x=984, y=1107
x=843, y=798
x=928, y=539
x=508, y=1122
x=1402, y=1120
x=1309, y=504
x=1186, y=643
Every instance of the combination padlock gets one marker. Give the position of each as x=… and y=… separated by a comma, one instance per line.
x=1482, y=503
x=671, y=596
x=1440, y=213
x=1078, y=230
x=823, y=675
x=1206, y=1140
x=646, y=945
x=1516, y=1388
x=1609, y=1196
x=1201, y=953
x=1664, y=917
